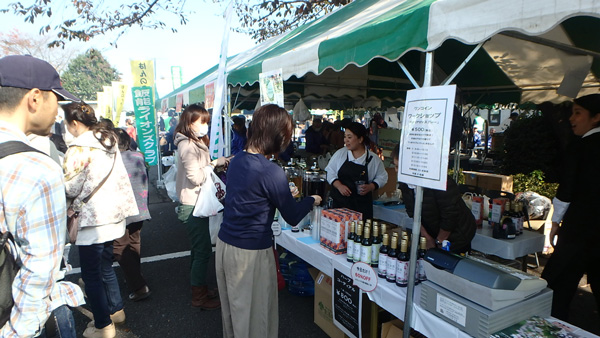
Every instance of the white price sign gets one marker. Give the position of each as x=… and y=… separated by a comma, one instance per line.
x=425, y=139
x=364, y=276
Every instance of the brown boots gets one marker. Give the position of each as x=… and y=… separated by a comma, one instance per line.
x=204, y=298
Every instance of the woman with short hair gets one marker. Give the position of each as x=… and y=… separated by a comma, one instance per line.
x=246, y=271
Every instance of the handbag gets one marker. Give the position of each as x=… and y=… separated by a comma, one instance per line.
x=212, y=192
x=73, y=216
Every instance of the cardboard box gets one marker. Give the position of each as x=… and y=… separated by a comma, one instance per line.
x=489, y=181
x=393, y=329
x=323, y=311
x=390, y=186
x=333, y=231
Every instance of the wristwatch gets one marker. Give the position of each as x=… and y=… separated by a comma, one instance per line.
x=438, y=243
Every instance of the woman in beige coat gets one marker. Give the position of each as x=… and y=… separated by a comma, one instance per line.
x=191, y=139
x=93, y=156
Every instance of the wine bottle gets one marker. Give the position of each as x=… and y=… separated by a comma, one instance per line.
x=357, y=243
x=375, y=246
x=508, y=227
x=390, y=273
x=402, y=265
x=421, y=259
x=383, y=255
x=350, y=243
x=365, y=249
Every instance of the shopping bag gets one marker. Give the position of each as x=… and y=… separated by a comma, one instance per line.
x=214, y=225
x=169, y=181
x=212, y=192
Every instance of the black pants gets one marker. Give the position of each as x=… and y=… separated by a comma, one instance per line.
x=127, y=253
x=563, y=271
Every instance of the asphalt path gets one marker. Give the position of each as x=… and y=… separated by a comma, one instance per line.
x=168, y=311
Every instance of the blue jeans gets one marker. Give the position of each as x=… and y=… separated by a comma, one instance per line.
x=61, y=323
x=101, y=285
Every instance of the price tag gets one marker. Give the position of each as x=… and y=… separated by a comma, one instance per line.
x=364, y=276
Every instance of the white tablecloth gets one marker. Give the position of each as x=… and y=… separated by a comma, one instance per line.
x=527, y=243
x=386, y=295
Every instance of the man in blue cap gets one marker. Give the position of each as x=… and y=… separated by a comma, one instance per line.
x=32, y=196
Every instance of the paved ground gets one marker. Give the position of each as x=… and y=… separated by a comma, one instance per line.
x=168, y=313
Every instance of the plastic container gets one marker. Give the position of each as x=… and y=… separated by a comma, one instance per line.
x=301, y=282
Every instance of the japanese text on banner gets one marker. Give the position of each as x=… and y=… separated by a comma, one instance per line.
x=145, y=120
x=143, y=73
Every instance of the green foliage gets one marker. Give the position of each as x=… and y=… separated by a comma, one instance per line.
x=461, y=176
x=530, y=145
x=87, y=73
x=534, y=181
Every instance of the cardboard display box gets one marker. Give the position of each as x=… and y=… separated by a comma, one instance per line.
x=393, y=329
x=489, y=181
x=323, y=311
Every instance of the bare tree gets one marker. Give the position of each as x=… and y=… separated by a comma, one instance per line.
x=17, y=42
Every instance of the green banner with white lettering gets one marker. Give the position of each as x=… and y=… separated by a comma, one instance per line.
x=145, y=121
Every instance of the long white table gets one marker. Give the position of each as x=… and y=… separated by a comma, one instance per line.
x=386, y=295
x=527, y=243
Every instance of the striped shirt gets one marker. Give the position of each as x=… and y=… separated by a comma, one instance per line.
x=33, y=209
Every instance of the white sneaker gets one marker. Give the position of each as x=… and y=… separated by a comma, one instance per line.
x=105, y=332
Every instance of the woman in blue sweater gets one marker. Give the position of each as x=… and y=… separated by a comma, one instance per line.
x=246, y=272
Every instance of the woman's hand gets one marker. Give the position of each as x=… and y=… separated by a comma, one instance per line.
x=220, y=162
x=317, y=198
x=366, y=188
x=554, y=233
x=344, y=190
x=294, y=190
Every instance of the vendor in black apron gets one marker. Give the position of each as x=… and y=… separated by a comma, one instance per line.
x=353, y=164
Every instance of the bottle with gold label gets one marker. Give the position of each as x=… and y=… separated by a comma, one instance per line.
x=357, y=243
x=375, y=246
x=383, y=255
x=390, y=273
x=402, y=265
x=421, y=277
x=350, y=243
x=365, y=249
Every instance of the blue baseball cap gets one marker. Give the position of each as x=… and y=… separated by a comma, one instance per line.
x=27, y=72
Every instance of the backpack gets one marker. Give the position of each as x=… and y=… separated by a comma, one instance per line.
x=8, y=264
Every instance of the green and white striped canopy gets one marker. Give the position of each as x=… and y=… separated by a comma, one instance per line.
x=531, y=47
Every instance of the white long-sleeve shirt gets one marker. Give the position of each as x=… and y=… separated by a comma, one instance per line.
x=375, y=168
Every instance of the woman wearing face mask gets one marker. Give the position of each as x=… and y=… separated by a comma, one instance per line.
x=192, y=143
x=352, y=165
x=577, y=199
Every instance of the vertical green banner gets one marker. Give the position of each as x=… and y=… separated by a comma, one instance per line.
x=145, y=121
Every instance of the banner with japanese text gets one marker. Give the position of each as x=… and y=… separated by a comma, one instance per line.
x=119, y=90
x=108, y=103
x=145, y=121
x=142, y=93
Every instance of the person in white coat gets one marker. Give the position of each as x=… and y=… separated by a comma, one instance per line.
x=92, y=157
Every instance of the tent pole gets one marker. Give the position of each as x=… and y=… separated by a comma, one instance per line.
x=227, y=124
x=410, y=77
x=462, y=65
x=416, y=230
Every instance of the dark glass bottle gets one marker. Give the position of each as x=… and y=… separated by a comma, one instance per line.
x=421, y=260
x=365, y=249
x=390, y=273
x=375, y=246
x=357, y=243
x=350, y=244
x=383, y=255
x=402, y=265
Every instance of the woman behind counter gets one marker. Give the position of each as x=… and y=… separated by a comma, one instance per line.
x=246, y=272
x=445, y=216
x=355, y=163
x=577, y=199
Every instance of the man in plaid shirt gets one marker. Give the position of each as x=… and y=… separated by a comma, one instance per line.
x=32, y=195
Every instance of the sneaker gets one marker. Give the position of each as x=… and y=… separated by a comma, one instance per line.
x=105, y=332
x=117, y=318
x=140, y=294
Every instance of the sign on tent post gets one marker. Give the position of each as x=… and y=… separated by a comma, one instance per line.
x=425, y=138
x=271, y=88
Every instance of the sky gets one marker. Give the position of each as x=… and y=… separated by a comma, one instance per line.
x=195, y=47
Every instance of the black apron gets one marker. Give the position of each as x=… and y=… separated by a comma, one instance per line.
x=349, y=173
